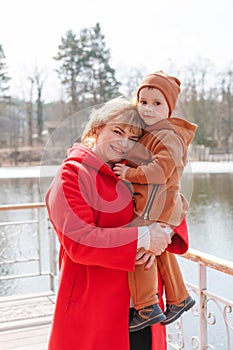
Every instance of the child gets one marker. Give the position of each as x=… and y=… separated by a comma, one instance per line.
x=154, y=167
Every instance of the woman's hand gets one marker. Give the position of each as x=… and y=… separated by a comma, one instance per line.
x=159, y=238
x=143, y=257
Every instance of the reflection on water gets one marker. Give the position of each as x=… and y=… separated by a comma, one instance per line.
x=210, y=214
x=22, y=190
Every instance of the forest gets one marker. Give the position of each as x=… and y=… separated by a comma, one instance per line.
x=87, y=78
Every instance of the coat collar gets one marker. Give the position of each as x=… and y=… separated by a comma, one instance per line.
x=84, y=155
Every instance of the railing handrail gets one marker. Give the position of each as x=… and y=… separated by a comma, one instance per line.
x=210, y=261
x=22, y=206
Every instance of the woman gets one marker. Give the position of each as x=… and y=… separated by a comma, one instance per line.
x=90, y=209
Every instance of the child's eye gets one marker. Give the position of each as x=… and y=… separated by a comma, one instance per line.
x=134, y=140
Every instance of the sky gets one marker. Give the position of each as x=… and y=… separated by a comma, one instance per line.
x=148, y=35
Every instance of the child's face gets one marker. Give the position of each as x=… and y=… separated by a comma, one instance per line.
x=152, y=105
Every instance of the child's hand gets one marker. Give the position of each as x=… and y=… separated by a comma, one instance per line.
x=120, y=170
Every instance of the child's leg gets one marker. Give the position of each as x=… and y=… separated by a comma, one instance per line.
x=143, y=286
x=175, y=288
x=178, y=299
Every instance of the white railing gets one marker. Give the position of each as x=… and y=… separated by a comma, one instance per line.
x=27, y=251
x=212, y=313
x=29, y=240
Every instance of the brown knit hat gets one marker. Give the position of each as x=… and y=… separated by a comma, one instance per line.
x=168, y=85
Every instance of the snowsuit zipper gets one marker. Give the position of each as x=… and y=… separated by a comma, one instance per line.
x=150, y=202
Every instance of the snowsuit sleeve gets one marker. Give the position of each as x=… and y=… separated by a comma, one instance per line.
x=167, y=151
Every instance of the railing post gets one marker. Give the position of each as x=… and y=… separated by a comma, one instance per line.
x=202, y=285
x=52, y=256
x=39, y=238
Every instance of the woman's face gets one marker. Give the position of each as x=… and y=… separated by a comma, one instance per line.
x=114, y=141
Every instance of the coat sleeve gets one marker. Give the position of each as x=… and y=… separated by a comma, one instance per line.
x=74, y=222
x=180, y=240
x=166, y=156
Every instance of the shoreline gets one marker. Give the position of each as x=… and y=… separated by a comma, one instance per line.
x=37, y=171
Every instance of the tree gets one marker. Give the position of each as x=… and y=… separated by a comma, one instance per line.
x=4, y=78
x=132, y=79
x=70, y=55
x=196, y=96
x=29, y=111
x=39, y=80
x=5, y=103
x=98, y=78
x=85, y=70
x=227, y=108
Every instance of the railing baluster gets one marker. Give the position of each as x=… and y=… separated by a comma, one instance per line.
x=52, y=256
x=202, y=285
x=38, y=210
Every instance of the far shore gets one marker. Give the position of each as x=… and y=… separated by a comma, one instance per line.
x=37, y=171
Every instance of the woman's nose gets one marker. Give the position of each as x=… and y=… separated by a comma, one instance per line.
x=125, y=142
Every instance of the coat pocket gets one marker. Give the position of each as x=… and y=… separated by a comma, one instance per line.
x=71, y=293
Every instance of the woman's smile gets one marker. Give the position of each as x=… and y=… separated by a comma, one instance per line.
x=114, y=141
x=116, y=149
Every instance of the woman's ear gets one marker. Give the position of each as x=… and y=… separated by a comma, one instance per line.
x=97, y=130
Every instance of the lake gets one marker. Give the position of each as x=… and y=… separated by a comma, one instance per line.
x=208, y=186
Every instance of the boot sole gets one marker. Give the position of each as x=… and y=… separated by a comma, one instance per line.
x=149, y=322
x=178, y=314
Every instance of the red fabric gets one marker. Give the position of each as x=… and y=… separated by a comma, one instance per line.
x=179, y=246
x=88, y=207
x=180, y=241
x=158, y=332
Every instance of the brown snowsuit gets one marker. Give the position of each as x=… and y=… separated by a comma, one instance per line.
x=159, y=159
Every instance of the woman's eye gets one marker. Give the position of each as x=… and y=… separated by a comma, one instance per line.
x=118, y=132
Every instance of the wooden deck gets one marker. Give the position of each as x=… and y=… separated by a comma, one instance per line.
x=32, y=338
x=25, y=321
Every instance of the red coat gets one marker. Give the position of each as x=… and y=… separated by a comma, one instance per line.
x=88, y=207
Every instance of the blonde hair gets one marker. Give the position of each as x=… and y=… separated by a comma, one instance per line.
x=118, y=111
